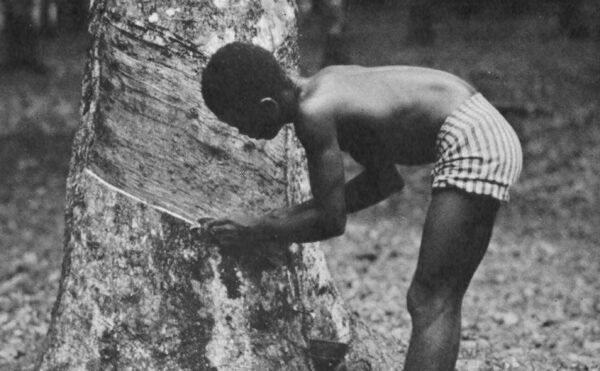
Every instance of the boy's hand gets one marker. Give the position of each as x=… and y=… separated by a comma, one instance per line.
x=231, y=232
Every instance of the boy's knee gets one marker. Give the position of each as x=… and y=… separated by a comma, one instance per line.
x=429, y=298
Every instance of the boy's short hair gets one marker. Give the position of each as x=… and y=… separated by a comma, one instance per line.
x=239, y=75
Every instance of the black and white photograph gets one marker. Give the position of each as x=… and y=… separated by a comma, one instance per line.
x=300, y=185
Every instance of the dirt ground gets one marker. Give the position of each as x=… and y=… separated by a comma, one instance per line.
x=534, y=304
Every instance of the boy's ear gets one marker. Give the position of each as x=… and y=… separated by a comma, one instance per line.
x=269, y=107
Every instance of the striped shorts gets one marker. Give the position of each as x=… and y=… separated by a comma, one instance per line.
x=477, y=151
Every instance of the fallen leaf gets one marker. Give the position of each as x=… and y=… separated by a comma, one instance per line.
x=8, y=353
x=593, y=346
x=469, y=365
x=507, y=318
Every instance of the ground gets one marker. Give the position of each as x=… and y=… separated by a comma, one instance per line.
x=534, y=304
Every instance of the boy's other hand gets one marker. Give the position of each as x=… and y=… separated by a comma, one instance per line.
x=230, y=232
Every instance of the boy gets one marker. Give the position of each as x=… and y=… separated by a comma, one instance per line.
x=380, y=116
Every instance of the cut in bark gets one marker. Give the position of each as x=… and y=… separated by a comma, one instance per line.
x=138, y=289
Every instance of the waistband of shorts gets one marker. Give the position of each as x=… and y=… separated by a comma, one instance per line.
x=475, y=100
x=475, y=103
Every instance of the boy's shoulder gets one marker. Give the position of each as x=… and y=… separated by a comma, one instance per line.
x=318, y=97
x=316, y=117
x=322, y=93
x=326, y=96
x=315, y=123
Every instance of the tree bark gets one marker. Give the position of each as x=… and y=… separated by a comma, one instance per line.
x=138, y=290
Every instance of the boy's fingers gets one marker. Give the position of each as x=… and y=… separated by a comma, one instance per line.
x=208, y=223
x=203, y=221
x=225, y=232
x=222, y=229
x=202, y=225
x=215, y=223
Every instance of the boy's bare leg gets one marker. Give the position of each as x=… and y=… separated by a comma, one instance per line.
x=456, y=235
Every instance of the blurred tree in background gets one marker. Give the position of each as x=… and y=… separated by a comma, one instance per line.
x=571, y=19
x=72, y=15
x=332, y=14
x=20, y=35
x=420, y=22
x=423, y=13
x=465, y=9
x=25, y=22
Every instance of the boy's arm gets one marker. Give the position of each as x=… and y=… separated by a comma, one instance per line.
x=294, y=224
x=304, y=222
x=324, y=216
x=321, y=218
x=368, y=188
x=372, y=186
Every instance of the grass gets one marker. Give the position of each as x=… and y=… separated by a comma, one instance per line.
x=534, y=303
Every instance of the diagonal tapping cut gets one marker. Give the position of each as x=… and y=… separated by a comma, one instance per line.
x=137, y=199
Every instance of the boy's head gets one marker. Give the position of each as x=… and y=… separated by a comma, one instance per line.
x=243, y=85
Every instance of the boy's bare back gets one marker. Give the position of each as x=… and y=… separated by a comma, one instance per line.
x=389, y=114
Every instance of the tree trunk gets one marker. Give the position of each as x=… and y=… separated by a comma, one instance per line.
x=420, y=23
x=138, y=290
